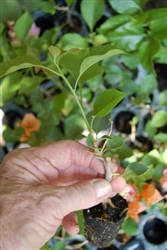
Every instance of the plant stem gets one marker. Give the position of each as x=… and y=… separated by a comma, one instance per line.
x=77, y=100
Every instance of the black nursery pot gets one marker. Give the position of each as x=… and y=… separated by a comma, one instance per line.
x=102, y=223
x=155, y=231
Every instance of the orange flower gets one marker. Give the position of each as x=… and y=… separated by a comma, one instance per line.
x=135, y=207
x=30, y=124
x=150, y=194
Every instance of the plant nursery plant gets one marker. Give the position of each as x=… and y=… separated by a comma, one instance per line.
x=103, y=221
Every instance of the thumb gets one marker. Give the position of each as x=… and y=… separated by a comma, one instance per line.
x=82, y=195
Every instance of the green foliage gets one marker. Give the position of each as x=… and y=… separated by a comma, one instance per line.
x=103, y=103
x=159, y=119
x=130, y=226
x=93, y=13
x=134, y=169
x=60, y=245
x=23, y=25
x=130, y=7
x=48, y=7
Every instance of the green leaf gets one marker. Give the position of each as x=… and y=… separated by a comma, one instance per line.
x=23, y=25
x=9, y=86
x=22, y=62
x=150, y=129
x=130, y=7
x=163, y=98
x=81, y=222
x=130, y=226
x=2, y=26
x=55, y=52
x=91, y=72
x=147, y=50
x=112, y=23
x=45, y=247
x=101, y=123
x=158, y=22
x=97, y=54
x=48, y=7
x=89, y=141
x=28, y=84
x=161, y=137
x=72, y=60
x=127, y=37
x=128, y=86
x=158, y=172
x=60, y=245
x=159, y=119
x=74, y=125
x=161, y=55
x=135, y=169
x=72, y=40
x=59, y=100
x=124, y=152
x=131, y=61
x=114, y=142
x=148, y=85
x=12, y=135
x=92, y=12
x=70, y=2
x=106, y=101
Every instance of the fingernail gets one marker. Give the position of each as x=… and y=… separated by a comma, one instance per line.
x=102, y=187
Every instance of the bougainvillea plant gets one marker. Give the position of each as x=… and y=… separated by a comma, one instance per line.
x=81, y=65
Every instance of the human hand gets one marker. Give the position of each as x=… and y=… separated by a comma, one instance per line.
x=42, y=186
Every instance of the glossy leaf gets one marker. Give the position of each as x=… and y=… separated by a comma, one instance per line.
x=148, y=84
x=161, y=137
x=76, y=41
x=127, y=37
x=106, y=101
x=158, y=172
x=48, y=7
x=101, y=123
x=124, y=152
x=114, y=142
x=89, y=141
x=23, y=25
x=163, y=98
x=22, y=62
x=59, y=100
x=10, y=84
x=92, y=12
x=130, y=7
x=135, y=169
x=10, y=10
x=12, y=135
x=55, y=52
x=81, y=222
x=28, y=84
x=74, y=125
x=60, y=245
x=97, y=54
x=130, y=226
x=70, y=2
x=72, y=60
x=147, y=50
x=159, y=119
x=45, y=247
x=90, y=73
x=112, y=23
x=158, y=23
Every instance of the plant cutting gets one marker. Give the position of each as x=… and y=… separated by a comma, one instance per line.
x=103, y=221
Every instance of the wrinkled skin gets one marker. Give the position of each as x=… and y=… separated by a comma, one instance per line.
x=41, y=188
